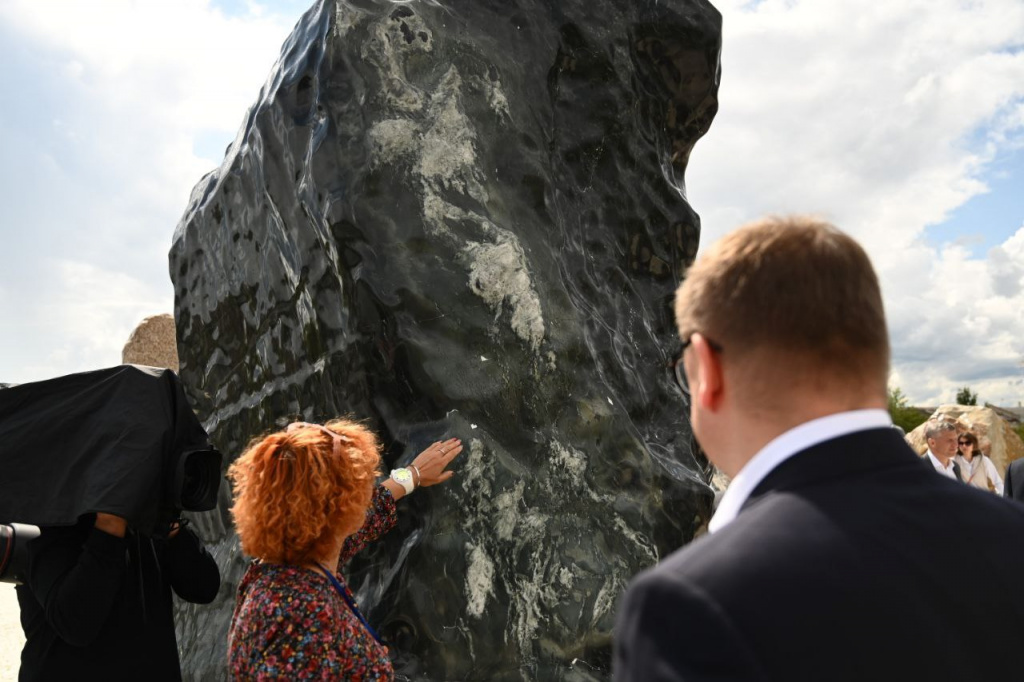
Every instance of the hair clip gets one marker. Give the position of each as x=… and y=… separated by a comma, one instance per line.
x=336, y=438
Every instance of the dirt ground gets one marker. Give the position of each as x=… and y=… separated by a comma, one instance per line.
x=11, y=638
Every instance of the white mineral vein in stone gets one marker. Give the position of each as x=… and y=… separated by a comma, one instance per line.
x=442, y=153
x=498, y=273
x=533, y=527
x=511, y=548
x=436, y=213
x=569, y=459
x=387, y=49
x=447, y=154
x=527, y=600
x=474, y=478
x=345, y=19
x=507, y=512
x=498, y=101
x=605, y=599
x=479, y=580
x=393, y=139
x=641, y=541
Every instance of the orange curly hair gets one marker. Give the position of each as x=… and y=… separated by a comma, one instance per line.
x=293, y=496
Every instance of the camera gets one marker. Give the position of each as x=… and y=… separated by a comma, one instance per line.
x=195, y=480
x=136, y=448
x=193, y=486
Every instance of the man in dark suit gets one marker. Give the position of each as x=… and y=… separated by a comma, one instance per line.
x=941, y=437
x=1013, y=486
x=834, y=554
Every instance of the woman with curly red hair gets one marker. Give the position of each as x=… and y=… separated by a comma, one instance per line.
x=305, y=503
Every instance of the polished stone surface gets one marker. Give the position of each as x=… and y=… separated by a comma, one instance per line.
x=466, y=220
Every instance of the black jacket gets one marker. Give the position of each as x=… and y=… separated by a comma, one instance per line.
x=1013, y=485
x=96, y=605
x=846, y=563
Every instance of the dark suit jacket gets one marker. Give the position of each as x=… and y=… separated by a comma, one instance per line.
x=1014, y=472
x=846, y=563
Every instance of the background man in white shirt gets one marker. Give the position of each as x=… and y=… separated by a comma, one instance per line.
x=942, y=446
x=834, y=551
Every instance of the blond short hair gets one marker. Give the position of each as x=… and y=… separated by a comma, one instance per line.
x=793, y=289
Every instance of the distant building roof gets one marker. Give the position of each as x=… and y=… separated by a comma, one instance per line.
x=1013, y=415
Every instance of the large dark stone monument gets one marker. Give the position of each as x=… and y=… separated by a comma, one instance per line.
x=465, y=219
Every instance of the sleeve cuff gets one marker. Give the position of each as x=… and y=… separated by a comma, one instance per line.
x=387, y=500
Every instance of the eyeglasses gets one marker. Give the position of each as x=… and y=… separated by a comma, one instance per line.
x=965, y=442
x=680, y=371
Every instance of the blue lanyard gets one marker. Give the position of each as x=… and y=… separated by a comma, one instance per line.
x=348, y=600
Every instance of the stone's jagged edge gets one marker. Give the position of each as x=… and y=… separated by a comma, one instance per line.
x=465, y=221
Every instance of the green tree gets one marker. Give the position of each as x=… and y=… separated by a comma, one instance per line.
x=904, y=416
x=897, y=400
x=965, y=396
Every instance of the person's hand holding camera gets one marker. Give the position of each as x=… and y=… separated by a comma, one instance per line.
x=111, y=525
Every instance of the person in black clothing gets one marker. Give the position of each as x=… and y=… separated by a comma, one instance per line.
x=98, y=600
x=1013, y=486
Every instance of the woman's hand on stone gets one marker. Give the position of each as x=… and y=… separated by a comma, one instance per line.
x=431, y=462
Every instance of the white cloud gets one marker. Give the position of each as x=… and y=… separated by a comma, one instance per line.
x=84, y=316
x=155, y=74
x=100, y=158
x=882, y=117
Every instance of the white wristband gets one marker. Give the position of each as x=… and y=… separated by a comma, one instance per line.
x=403, y=477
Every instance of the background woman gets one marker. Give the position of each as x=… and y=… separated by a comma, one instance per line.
x=305, y=503
x=975, y=468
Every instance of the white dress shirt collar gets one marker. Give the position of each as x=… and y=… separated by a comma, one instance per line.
x=946, y=470
x=785, y=446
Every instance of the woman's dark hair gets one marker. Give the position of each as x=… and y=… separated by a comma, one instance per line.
x=968, y=436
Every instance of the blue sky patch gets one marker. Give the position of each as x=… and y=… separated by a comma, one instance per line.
x=988, y=219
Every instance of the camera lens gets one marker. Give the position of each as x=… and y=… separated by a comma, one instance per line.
x=200, y=480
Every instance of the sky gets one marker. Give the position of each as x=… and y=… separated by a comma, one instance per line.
x=901, y=122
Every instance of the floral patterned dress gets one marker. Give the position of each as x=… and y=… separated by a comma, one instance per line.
x=290, y=622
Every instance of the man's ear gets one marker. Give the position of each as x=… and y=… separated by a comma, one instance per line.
x=708, y=386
